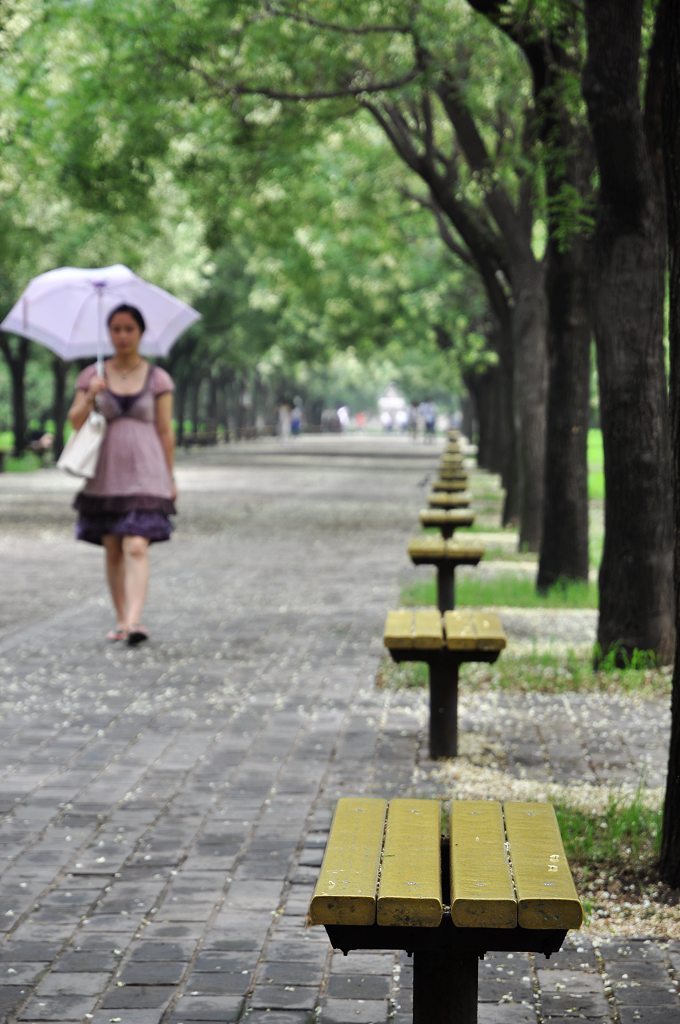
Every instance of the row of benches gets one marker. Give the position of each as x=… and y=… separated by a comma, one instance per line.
x=498, y=878
x=439, y=639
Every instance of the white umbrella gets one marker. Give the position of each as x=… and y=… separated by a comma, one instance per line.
x=66, y=310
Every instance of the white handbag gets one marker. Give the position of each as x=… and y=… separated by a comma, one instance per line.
x=81, y=451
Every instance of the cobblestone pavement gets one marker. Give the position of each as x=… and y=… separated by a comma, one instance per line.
x=164, y=809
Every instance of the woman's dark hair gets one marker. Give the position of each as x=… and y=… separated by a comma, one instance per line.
x=131, y=311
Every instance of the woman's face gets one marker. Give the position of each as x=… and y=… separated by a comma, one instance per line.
x=125, y=334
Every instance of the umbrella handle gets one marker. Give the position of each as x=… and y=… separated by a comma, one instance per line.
x=100, y=358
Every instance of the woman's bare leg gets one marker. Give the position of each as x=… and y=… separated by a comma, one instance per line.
x=136, y=572
x=115, y=575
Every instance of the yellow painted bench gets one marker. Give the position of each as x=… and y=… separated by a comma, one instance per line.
x=443, y=642
x=445, y=555
x=449, y=499
x=498, y=880
x=446, y=520
x=451, y=483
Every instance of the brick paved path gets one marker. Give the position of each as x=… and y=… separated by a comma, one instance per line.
x=164, y=809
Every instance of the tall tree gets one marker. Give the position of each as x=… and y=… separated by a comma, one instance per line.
x=550, y=37
x=669, y=35
x=636, y=585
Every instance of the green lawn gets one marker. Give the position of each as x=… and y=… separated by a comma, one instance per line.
x=511, y=589
x=595, y=465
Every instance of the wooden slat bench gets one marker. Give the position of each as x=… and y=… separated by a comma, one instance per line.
x=447, y=521
x=449, y=499
x=445, y=555
x=499, y=881
x=443, y=642
x=451, y=483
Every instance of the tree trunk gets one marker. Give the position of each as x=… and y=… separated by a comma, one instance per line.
x=59, y=371
x=564, y=544
x=530, y=396
x=468, y=412
x=212, y=403
x=194, y=389
x=180, y=407
x=636, y=585
x=669, y=16
x=481, y=388
x=16, y=361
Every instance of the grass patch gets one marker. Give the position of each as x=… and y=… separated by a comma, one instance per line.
x=620, y=845
x=536, y=673
x=26, y=463
x=595, y=465
x=407, y=675
x=498, y=554
x=545, y=672
x=508, y=589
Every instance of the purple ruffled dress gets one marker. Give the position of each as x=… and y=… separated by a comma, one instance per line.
x=131, y=493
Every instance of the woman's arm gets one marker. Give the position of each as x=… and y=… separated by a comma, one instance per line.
x=166, y=432
x=83, y=403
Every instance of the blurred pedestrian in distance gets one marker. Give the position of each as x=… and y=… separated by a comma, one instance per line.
x=413, y=418
x=428, y=412
x=126, y=505
x=284, y=421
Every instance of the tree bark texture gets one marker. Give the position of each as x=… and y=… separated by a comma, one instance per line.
x=16, y=359
x=636, y=585
x=553, y=56
x=59, y=370
x=530, y=397
x=180, y=407
x=564, y=542
x=670, y=38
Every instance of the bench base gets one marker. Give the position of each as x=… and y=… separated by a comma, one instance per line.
x=443, y=678
x=445, y=960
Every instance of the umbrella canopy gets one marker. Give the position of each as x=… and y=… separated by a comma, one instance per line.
x=66, y=310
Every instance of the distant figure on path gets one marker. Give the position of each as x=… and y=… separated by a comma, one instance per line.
x=125, y=507
x=413, y=418
x=284, y=421
x=428, y=413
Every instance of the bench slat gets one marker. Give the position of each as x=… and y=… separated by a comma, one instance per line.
x=546, y=894
x=399, y=628
x=449, y=499
x=408, y=628
x=459, y=627
x=490, y=633
x=346, y=890
x=427, y=628
x=410, y=891
x=437, y=547
x=482, y=893
x=443, y=517
x=451, y=485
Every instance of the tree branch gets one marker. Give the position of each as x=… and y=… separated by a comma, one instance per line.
x=284, y=11
x=442, y=227
x=270, y=92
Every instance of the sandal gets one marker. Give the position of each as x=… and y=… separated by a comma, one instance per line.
x=114, y=635
x=136, y=635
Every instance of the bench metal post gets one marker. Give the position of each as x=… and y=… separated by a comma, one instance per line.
x=443, y=706
x=447, y=530
x=444, y=987
x=445, y=590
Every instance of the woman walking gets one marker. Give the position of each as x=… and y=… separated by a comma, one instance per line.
x=125, y=506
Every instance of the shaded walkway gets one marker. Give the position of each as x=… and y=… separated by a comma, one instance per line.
x=164, y=809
